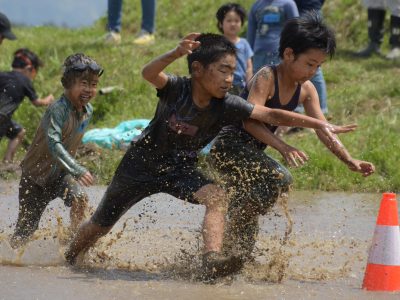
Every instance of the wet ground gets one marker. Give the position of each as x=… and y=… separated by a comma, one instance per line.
x=152, y=252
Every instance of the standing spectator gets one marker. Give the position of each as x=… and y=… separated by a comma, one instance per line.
x=5, y=29
x=266, y=19
x=376, y=17
x=318, y=80
x=146, y=34
x=231, y=17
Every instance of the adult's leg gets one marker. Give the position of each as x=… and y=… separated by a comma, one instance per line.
x=394, y=40
x=32, y=202
x=114, y=15
x=376, y=17
x=319, y=82
x=148, y=15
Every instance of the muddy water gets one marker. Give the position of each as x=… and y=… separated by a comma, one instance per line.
x=152, y=252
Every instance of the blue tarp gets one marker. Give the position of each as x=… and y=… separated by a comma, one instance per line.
x=118, y=137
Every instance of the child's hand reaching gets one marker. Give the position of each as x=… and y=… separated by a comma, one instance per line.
x=293, y=156
x=86, y=179
x=187, y=44
x=364, y=167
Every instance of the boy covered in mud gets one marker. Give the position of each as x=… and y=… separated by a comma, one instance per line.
x=255, y=179
x=49, y=169
x=189, y=114
x=15, y=85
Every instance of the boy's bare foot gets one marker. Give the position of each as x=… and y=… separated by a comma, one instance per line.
x=217, y=265
x=70, y=257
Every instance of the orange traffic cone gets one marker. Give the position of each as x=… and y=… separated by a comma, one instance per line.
x=383, y=267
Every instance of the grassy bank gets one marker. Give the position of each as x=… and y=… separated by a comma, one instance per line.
x=362, y=91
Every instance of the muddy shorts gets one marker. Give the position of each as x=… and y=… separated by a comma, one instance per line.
x=8, y=127
x=34, y=198
x=140, y=175
x=248, y=173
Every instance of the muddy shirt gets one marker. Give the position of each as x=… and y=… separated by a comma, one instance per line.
x=14, y=87
x=180, y=128
x=55, y=143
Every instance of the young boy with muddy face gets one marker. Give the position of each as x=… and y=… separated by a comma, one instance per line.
x=49, y=169
x=257, y=179
x=189, y=114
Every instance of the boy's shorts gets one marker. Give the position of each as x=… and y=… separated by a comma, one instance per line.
x=8, y=127
x=248, y=173
x=65, y=187
x=139, y=176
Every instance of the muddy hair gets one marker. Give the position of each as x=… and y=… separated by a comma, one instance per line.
x=24, y=57
x=212, y=48
x=79, y=66
x=305, y=33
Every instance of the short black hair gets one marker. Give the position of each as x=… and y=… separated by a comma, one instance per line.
x=224, y=9
x=212, y=48
x=24, y=57
x=307, y=32
x=78, y=66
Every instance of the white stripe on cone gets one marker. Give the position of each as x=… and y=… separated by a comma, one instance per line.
x=385, y=249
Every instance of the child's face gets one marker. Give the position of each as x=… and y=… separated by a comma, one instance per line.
x=82, y=91
x=304, y=66
x=231, y=24
x=216, y=79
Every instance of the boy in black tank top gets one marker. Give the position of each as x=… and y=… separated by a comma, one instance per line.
x=254, y=179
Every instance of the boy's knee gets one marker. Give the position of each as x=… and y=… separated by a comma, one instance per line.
x=213, y=197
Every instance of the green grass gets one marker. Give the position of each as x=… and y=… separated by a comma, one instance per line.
x=365, y=92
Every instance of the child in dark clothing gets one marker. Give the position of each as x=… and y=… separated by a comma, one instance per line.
x=14, y=87
x=190, y=113
x=256, y=179
x=49, y=169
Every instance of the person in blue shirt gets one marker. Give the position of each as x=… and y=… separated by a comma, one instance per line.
x=231, y=17
x=266, y=19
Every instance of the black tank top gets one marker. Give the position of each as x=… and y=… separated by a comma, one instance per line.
x=275, y=102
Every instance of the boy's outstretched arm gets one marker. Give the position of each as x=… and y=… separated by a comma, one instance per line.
x=261, y=90
x=153, y=72
x=312, y=108
x=292, y=156
x=44, y=101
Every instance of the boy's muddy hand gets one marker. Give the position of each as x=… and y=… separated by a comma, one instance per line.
x=364, y=167
x=341, y=128
x=187, y=44
x=330, y=130
x=86, y=179
x=293, y=156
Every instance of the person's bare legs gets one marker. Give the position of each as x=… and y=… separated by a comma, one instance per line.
x=214, y=198
x=86, y=237
x=79, y=212
x=215, y=264
x=12, y=147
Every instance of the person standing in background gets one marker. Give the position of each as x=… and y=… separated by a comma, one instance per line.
x=318, y=80
x=231, y=17
x=114, y=15
x=5, y=29
x=266, y=19
x=376, y=18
